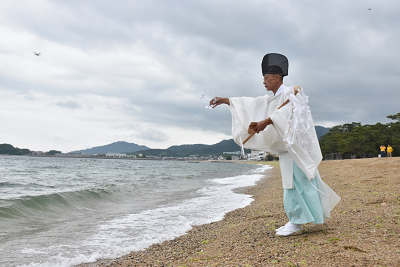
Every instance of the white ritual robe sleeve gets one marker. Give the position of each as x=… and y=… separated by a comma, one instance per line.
x=245, y=110
x=307, y=158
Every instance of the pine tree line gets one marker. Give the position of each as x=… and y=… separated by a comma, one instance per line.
x=354, y=140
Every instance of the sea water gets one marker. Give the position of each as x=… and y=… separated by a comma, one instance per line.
x=65, y=211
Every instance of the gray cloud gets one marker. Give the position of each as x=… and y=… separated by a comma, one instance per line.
x=152, y=135
x=69, y=104
x=147, y=62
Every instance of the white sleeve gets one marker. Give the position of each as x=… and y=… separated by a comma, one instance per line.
x=245, y=110
x=295, y=125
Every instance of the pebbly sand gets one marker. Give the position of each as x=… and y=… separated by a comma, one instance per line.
x=364, y=229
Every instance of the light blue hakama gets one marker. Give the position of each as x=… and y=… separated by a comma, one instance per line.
x=303, y=202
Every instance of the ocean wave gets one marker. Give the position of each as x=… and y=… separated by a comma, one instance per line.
x=32, y=205
x=9, y=184
x=124, y=209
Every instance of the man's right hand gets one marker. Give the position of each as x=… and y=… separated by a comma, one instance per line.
x=216, y=101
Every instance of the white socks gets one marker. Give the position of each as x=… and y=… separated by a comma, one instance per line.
x=288, y=229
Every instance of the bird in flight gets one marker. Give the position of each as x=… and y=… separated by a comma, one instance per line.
x=37, y=54
x=369, y=8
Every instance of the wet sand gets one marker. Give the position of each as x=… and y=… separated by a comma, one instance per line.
x=364, y=229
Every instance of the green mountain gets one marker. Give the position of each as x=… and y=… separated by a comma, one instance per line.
x=134, y=149
x=206, y=150
x=116, y=147
x=197, y=149
x=10, y=150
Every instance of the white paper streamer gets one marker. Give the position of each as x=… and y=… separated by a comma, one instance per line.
x=299, y=122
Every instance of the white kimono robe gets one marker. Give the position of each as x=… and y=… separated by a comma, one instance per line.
x=292, y=135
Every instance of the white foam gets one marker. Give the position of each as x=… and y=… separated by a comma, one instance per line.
x=135, y=232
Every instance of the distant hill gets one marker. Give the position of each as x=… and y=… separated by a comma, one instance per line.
x=116, y=147
x=197, y=149
x=218, y=148
x=321, y=131
x=175, y=151
x=8, y=149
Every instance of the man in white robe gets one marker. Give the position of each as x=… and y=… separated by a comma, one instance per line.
x=291, y=134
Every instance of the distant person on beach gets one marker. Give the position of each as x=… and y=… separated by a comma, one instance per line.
x=389, y=151
x=291, y=134
x=383, y=149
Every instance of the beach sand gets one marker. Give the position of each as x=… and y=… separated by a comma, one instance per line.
x=364, y=228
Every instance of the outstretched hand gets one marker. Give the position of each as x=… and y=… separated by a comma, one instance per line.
x=216, y=101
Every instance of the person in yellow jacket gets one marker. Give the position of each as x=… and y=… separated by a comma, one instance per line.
x=389, y=151
x=383, y=150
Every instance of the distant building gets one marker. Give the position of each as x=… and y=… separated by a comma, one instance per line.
x=232, y=153
x=257, y=155
x=73, y=155
x=116, y=155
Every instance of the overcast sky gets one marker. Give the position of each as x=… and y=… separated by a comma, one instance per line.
x=136, y=71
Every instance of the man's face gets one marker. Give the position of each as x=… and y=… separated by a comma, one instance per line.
x=271, y=82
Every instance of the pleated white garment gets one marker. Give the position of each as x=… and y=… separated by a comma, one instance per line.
x=292, y=136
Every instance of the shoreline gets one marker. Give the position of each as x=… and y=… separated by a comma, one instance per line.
x=364, y=229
